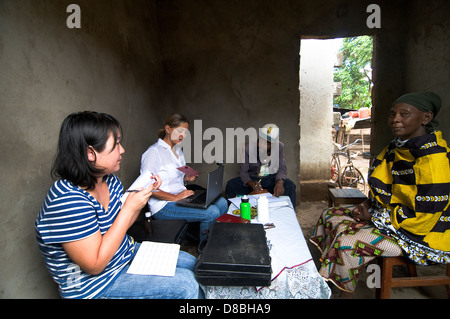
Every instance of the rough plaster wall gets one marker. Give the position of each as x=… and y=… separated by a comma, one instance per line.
x=428, y=55
x=48, y=71
x=412, y=54
x=317, y=60
x=225, y=64
x=236, y=63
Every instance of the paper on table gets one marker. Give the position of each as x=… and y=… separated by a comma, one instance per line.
x=144, y=180
x=277, y=201
x=154, y=258
x=253, y=200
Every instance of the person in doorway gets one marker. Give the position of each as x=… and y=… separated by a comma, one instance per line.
x=81, y=227
x=163, y=158
x=267, y=171
x=407, y=212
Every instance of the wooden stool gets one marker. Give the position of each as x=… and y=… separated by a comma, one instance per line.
x=338, y=196
x=387, y=282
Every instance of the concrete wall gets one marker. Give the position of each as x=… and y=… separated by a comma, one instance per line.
x=235, y=63
x=317, y=60
x=414, y=57
x=48, y=71
x=226, y=63
x=427, y=54
x=230, y=63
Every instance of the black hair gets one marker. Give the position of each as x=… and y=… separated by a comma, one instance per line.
x=79, y=131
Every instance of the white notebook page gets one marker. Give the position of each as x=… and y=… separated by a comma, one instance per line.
x=155, y=258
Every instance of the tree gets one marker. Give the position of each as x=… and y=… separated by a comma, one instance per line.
x=355, y=73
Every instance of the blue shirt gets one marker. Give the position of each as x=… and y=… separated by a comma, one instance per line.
x=69, y=213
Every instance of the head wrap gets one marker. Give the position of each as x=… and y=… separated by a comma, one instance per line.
x=425, y=102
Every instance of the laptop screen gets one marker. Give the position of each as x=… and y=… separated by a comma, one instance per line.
x=214, y=187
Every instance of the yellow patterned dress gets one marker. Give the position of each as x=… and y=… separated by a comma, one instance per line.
x=410, y=183
x=409, y=187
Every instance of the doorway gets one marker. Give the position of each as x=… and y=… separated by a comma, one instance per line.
x=335, y=105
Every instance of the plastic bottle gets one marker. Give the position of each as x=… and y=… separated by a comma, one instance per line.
x=263, y=209
x=148, y=223
x=245, y=208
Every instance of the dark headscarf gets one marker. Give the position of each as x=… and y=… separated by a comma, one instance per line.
x=425, y=102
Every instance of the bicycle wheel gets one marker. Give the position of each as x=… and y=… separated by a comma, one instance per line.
x=335, y=169
x=351, y=177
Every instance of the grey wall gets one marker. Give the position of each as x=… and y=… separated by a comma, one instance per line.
x=427, y=62
x=48, y=71
x=235, y=63
x=230, y=63
x=413, y=57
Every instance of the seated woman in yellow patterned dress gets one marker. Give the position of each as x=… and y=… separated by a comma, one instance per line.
x=407, y=212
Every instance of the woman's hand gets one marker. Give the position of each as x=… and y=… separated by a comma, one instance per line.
x=137, y=200
x=190, y=178
x=361, y=212
x=184, y=194
x=158, y=181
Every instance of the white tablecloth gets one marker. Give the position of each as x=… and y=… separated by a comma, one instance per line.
x=294, y=274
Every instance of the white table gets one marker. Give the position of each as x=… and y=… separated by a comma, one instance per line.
x=294, y=274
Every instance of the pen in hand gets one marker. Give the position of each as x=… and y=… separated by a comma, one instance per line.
x=152, y=177
x=138, y=190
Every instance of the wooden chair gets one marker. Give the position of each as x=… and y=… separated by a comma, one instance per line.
x=339, y=197
x=388, y=282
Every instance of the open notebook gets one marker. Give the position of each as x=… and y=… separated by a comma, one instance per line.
x=154, y=258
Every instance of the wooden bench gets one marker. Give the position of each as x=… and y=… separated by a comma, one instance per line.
x=338, y=196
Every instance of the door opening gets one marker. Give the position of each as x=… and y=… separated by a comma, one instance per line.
x=335, y=107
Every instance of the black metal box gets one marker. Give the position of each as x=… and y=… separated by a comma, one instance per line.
x=235, y=255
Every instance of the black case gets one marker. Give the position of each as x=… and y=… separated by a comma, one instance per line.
x=163, y=231
x=235, y=255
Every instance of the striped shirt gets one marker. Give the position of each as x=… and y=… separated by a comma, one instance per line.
x=159, y=159
x=68, y=214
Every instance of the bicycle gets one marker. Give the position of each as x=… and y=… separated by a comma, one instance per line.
x=347, y=176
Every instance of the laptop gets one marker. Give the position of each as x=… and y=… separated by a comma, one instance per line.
x=204, y=198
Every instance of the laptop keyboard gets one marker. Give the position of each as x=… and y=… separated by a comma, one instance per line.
x=198, y=197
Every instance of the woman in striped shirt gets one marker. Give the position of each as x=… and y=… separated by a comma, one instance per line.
x=81, y=227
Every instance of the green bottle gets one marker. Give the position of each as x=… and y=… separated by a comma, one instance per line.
x=245, y=208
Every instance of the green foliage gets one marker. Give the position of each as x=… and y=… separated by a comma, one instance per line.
x=355, y=73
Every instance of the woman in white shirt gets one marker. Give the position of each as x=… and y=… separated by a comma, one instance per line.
x=163, y=158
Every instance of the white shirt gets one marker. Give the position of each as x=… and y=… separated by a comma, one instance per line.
x=160, y=160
